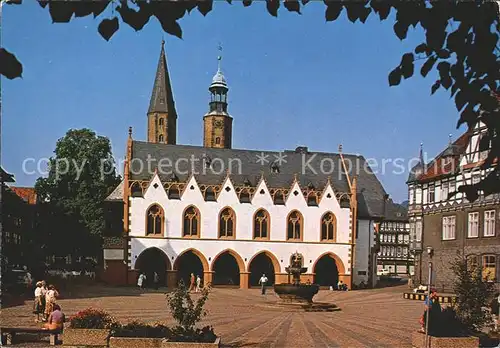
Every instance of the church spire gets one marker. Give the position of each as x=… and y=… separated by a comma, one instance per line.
x=162, y=99
x=162, y=116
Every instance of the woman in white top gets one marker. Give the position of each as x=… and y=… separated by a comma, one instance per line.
x=50, y=300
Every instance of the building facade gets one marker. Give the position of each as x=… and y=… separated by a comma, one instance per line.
x=230, y=215
x=394, y=239
x=441, y=217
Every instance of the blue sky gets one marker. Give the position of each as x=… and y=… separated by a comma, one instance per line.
x=294, y=80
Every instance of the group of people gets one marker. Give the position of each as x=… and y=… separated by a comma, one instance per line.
x=195, y=283
x=45, y=307
x=141, y=280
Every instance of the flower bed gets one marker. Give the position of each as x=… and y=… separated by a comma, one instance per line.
x=89, y=327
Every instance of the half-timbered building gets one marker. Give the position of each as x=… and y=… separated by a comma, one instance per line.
x=443, y=218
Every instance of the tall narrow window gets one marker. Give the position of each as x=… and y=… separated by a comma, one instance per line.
x=444, y=191
x=191, y=226
x=489, y=223
x=160, y=138
x=160, y=122
x=328, y=227
x=154, y=220
x=294, y=226
x=418, y=230
x=448, y=227
x=217, y=140
x=430, y=195
x=227, y=223
x=261, y=224
x=473, y=229
x=489, y=267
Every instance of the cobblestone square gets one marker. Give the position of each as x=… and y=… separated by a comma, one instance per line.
x=244, y=318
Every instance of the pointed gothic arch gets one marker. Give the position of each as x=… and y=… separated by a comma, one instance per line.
x=153, y=260
x=227, y=223
x=227, y=268
x=328, y=230
x=263, y=262
x=155, y=220
x=327, y=269
x=191, y=222
x=294, y=226
x=261, y=223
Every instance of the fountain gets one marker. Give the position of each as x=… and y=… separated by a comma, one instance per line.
x=297, y=294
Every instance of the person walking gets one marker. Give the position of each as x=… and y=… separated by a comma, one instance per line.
x=156, y=280
x=141, y=280
x=198, y=283
x=192, y=282
x=262, y=282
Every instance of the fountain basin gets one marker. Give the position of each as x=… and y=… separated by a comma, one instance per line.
x=296, y=293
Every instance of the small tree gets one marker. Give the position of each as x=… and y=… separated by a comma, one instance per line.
x=187, y=314
x=473, y=294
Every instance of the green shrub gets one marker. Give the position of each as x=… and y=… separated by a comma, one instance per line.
x=138, y=329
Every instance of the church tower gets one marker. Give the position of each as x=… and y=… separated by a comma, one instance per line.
x=162, y=117
x=217, y=124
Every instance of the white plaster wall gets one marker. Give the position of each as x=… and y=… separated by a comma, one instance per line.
x=210, y=245
x=361, y=257
x=209, y=212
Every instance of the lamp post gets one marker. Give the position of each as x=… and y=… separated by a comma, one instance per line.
x=429, y=254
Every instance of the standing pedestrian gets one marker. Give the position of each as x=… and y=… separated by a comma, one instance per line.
x=156, y=280
x=198, y=283
x=37, y=306
x=262, y=282
x=141, y=280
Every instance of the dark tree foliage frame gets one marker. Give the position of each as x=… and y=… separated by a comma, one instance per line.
x=461, y=45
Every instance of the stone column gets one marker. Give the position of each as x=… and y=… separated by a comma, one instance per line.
x=207, y=277
x=244, y=279
x=171, y=278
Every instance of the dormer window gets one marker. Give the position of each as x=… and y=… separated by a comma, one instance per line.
x=279, y=198
x=275, y=168
x=244, y=196
x=210, y=195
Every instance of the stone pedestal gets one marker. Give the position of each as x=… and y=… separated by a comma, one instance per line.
x=244, y=279
x=171, y=278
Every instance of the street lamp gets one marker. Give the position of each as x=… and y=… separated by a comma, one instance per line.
x=430, y=252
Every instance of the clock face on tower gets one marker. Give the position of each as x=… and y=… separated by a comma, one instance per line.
x=218, y=124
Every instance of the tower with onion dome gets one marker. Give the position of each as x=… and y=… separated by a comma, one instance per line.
x=217, y=123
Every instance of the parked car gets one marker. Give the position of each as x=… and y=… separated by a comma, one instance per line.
x=384, y=272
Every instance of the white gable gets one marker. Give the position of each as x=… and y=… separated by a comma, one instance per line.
x=262, y=197
x=328, y=200
x=155, y=191
x=192, y=192
x=295, y=197
x=227, y=196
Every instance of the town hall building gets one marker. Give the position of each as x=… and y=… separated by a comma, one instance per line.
x=231, y=215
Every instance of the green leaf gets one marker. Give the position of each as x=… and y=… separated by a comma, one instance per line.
x=444, y=73
x=292, y=5
x=61, y=11
x=427, y=66
x=395, y=77
x=205, y=6
x=10, y=67
x=435, y=87
x=136, y=19
x=333, y=11
x=272, y=7
x=108, y=27
x=422, y=48
x=407, y=65
x=401, y=29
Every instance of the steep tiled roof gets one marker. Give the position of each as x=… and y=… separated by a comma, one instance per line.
x=117, y=194
x=28, y=194
x=162, y=99
x=298, y=164
x=436, y=168
x=395, y=212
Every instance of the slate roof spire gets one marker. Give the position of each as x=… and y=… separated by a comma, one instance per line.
x=162, y=99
